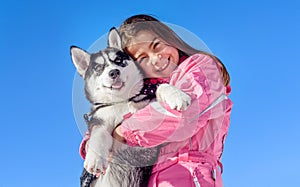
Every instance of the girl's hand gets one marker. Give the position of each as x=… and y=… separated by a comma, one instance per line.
x=118, y=135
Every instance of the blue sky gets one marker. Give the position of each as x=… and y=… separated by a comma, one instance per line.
x=257, y=40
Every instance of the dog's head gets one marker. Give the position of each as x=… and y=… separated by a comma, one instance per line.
x=110, y=75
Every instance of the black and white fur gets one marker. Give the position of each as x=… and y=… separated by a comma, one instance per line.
x=112, y=85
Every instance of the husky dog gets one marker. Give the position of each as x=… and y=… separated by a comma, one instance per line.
x=112, y=85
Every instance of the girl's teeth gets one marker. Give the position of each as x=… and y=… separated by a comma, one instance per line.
x=160, y=68
x=164, y=66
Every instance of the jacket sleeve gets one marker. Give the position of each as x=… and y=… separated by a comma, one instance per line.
x=199, y=77
x=83, y=143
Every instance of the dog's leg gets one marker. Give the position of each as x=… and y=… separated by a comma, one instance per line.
x=99, y=146
x=173, y=96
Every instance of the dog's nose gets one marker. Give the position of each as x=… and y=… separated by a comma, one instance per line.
x=114, y=73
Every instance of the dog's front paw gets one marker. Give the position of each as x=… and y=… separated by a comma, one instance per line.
x=95, y=163
x=173, y=96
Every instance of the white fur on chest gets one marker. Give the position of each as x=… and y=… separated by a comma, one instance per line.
x=111, y=116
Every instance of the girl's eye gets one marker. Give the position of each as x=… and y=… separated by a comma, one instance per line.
x=142, y=60
x=156, y=45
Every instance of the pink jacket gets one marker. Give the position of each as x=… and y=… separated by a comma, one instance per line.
x=196, y=136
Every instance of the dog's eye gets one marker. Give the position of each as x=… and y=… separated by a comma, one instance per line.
x=118, y=60
x=121, y=59
x=98, y=68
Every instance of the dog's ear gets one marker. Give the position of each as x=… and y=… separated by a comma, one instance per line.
x=114, y=39
x=81, y=59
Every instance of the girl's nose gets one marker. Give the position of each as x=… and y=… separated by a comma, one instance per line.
x=156, y=59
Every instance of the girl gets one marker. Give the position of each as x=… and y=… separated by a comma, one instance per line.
x=193, y=139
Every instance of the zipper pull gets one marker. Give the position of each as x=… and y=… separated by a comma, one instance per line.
x=214, y=174
x=197, y=184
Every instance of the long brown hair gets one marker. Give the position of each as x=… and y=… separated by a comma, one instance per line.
x=142, y=22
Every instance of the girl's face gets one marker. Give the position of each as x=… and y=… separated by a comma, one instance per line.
x=153, y=55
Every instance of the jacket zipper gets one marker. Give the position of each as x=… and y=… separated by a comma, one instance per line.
x=195, y=179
